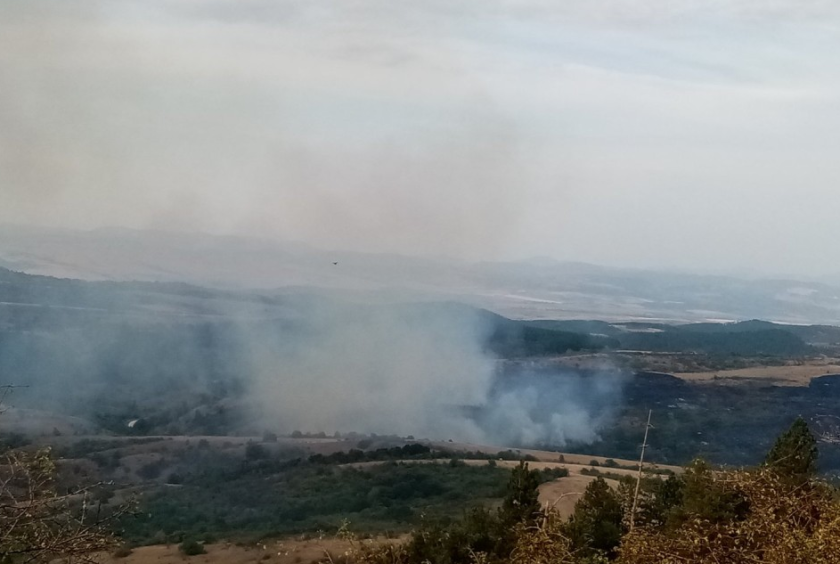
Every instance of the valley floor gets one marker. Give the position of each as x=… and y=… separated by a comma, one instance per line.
x=287, y=551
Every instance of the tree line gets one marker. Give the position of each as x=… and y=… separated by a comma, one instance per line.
x=776, y=513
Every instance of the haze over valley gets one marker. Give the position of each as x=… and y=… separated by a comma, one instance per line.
x=539, y=288
x=441, y=282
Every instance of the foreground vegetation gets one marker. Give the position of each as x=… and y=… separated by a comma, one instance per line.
x=777, y=513
x=381, y=491
x=38, y=524
x=309, y=498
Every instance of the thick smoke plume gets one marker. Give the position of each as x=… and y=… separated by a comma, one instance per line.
x=188, y=360
x=383, y=370
x=552, y=407
x=423, y=371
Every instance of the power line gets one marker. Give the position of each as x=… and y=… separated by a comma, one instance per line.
x=639, y=476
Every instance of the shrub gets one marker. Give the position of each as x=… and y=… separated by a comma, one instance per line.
x=549, y=474
x=781, y=522
x=191, y=548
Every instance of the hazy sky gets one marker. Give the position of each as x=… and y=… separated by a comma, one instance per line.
x=687, y=133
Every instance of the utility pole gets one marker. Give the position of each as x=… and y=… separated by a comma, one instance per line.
x=639, y=476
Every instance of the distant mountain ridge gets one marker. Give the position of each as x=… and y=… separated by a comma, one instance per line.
x=531, y=289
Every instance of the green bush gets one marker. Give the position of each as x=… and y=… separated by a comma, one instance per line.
x=307, y=497
x=191, y=548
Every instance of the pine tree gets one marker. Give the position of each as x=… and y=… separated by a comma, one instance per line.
x=658, y=499
x=521, y=502
x=706, y=498
x=794, y=456
x=596, y=525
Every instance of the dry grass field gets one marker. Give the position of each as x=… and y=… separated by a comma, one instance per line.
x=563, y=493
x=272, y=552
x=543, y=455
x=788, y=375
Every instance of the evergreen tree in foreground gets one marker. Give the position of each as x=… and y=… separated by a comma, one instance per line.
x=491, y=534
x=596, y=525
x=521, y=504
x=794, y=456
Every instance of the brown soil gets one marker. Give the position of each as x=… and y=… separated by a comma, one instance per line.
x=286, y=551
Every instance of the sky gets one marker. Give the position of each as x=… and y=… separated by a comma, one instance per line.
x=688, y=134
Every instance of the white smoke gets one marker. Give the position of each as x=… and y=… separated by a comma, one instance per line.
x=422, y=371
x=554, y=407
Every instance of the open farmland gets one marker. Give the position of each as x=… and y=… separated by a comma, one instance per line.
x=790, y=374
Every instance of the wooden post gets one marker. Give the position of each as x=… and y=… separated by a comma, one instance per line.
x=639, y=476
